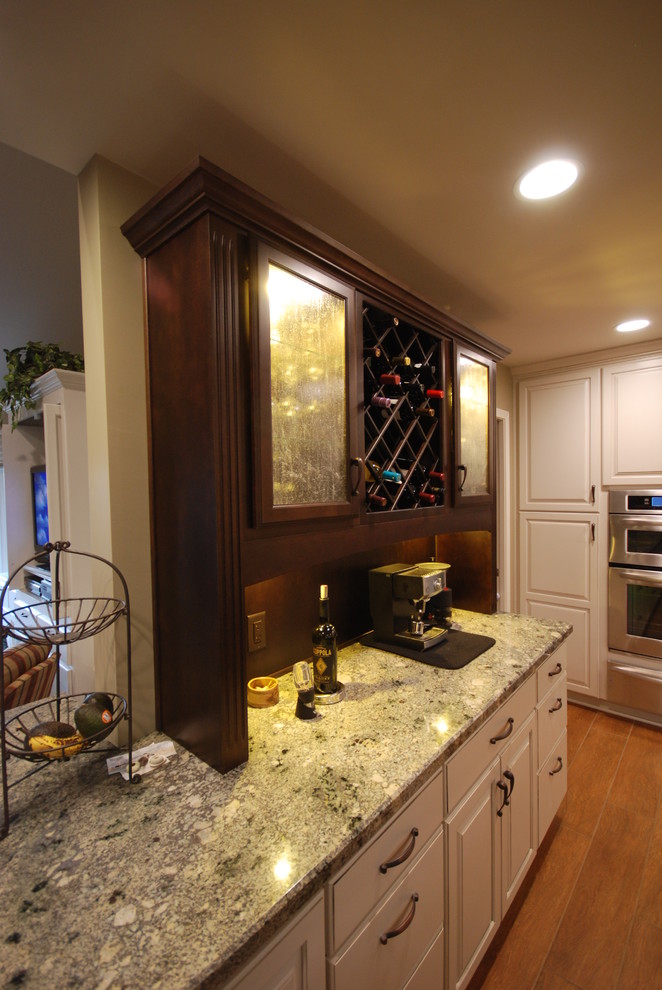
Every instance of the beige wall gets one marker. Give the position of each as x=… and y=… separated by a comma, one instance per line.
x=111, y=278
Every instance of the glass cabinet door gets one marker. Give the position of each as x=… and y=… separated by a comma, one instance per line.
x=304, y=371
x=474, y=429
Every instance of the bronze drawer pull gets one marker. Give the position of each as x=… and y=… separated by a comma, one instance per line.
x=462, y=467
x=405, y=924
x=557, y=707
x=406, y=854
x=506, y=732
x=557, y=670
x=559, y=767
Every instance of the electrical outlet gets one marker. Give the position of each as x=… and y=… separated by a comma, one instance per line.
x=257, y=631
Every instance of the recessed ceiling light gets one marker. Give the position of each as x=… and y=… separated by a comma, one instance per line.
x=631, y=325
x=548, y=179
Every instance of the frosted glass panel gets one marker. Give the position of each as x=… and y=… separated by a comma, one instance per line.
x=308, y=422
x=474, y=433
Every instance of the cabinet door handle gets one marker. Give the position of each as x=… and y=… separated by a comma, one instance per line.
x=506, y=732
x=357, y=462
x=558, y=768
x=406, y=854
x=593, y=494
x=557, y=670
x=510, y=777
x=461, y=467
x=405, y=924
x=592, y=532
x=556, y=707
x=502, y=787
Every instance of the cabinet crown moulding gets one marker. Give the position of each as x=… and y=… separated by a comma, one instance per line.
x=205, y=188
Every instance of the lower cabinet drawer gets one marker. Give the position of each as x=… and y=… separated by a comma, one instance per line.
x=414, y=910
x=552, y=785
x=474, y=757
x=430, y=973
x=365, y=880
x=552, y=718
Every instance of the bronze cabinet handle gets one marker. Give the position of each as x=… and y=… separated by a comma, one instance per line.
x=557, y=670
x=405, y=924
x=556, y=707
x=510, y=777
x=506, y=732
x=461, y=467
x=357, y=462
x=406, y=854
x=502, y=787
x=558, y=768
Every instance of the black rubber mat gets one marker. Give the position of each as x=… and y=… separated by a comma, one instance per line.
x=457, y=650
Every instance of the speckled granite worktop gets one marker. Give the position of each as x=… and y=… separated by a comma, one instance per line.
x=169, y=884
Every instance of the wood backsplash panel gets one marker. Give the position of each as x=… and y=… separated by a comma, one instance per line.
x=291, y=603
x=470, y=576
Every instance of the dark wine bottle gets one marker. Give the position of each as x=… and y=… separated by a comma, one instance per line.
x=325, y=649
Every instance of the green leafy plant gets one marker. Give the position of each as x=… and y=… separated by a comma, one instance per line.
x=24, y=365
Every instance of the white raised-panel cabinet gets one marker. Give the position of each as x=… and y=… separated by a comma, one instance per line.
x=294, y=960
x=632, y=423
x=492, y=830
x=559, y=442
x=559, y=580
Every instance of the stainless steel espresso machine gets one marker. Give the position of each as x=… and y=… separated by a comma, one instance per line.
x=401, y=607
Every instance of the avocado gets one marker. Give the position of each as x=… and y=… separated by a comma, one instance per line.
x=102, y=701
x=58, y=730
x=90, y=719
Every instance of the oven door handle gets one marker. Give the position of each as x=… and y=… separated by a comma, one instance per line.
x=650, y=578
x=640, y=672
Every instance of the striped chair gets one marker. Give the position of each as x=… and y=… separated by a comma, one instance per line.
x=29, y=673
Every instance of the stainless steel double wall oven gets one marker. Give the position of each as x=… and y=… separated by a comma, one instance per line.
x=635, y=599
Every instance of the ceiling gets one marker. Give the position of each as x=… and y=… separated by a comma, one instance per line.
x=398, y=128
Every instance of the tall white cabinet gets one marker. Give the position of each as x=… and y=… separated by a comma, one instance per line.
x=55, y=434
x=559, y=517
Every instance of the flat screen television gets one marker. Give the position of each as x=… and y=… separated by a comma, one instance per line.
x=39, y=506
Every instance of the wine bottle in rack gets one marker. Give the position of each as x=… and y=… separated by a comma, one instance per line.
x=376, y=501
x=381, y=401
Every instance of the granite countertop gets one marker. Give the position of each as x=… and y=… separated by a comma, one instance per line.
x=169, y=884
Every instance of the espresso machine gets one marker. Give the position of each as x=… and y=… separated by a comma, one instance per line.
x=409, y=605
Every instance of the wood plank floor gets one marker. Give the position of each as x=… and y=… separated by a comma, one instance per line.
x=589, y=916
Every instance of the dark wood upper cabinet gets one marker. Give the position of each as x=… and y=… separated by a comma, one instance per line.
x=240, y=496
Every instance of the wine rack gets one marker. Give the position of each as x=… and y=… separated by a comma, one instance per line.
x=403, y=414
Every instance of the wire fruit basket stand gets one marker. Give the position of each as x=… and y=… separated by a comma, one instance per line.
x=57, y=623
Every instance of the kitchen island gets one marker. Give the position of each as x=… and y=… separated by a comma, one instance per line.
x=170, y=883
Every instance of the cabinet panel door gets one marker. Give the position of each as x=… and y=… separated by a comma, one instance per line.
x=474, y=878
x=559, y=422
x=632, y=413
x=295, y=958
x=303, y=428
x=474, y=417
x=559, y=556
x=519, y=837
x=559, y=580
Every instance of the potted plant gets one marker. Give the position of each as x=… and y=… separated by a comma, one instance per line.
x=27, y=363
